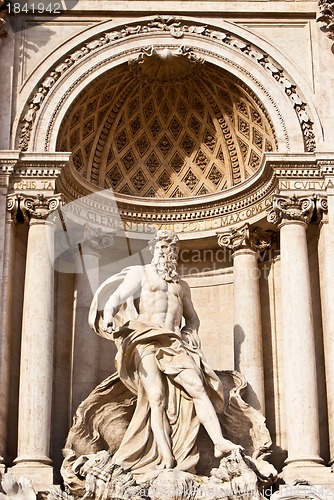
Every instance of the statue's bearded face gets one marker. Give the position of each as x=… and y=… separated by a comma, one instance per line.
x=165, y=259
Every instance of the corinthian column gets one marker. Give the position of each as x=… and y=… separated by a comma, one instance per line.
x=35, y=397
x=85, y=342
x=248, y=355
x=325, y=209
x=293, y=215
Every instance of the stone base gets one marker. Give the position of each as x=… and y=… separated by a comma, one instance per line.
x=313, y=474
x=40, y=475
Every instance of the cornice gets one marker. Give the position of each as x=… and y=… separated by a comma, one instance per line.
x=308, y=175
x=18, y=168
x=249, y=200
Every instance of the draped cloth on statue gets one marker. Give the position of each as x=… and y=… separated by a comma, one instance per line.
x=138, y=451
x=111, y=433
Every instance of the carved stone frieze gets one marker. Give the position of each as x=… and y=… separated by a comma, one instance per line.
x=25, y=208
x=291, y=209
x=327, y=16
x=249, y=203
x=177, y=29
x=207, y=213
x=326, y=166
x=165, y=65
x=245, y=238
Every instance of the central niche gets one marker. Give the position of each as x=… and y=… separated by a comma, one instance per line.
x=167, y=127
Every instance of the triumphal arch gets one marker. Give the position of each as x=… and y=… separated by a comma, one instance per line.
x=211, y=120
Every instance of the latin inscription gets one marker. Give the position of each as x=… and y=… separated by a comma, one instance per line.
x=110, y=222
x=306, y=185
x=34, y=185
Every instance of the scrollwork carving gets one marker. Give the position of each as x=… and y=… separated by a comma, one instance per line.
x=245, y=238
x=95, y=238
x=25, y=208
x=13, y=205
x=321, y=205
x=291, y=208
x=165, y=65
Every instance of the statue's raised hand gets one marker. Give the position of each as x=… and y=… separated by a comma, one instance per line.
x=108, y=322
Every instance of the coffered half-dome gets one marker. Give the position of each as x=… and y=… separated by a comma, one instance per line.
x=167, y=126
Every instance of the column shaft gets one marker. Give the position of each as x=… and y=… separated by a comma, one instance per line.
x=37, y=348
x=247, y=325
x=298, y=344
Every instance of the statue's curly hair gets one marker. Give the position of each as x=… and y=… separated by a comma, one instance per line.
x=166, y=235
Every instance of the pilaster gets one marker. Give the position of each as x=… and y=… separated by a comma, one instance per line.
x=326, y=275
x=6, y=296
x=85, y=342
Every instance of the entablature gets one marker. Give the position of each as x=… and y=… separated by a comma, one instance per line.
x=200, y=216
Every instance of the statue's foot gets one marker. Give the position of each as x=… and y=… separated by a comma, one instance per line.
x=225, y=447
x=167, y=463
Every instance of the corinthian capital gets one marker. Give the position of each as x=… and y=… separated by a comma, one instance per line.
x=95, y=238
x=287, y=209
x=244, y=238
x=26, y=208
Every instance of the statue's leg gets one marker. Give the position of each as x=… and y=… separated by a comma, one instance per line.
x=152, y=381
x=205, y=411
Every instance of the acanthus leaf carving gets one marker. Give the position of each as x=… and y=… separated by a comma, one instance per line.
x=95, y=238
x=244, y=238
x=291, y=208
x=26, y=207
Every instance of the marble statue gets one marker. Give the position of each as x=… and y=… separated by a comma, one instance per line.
x=165, y=411
x=162, y=363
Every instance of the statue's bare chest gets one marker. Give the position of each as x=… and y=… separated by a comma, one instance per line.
x=154, y=283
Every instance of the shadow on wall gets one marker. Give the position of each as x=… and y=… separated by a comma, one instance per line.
x=249, y=395
x=278, y=455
